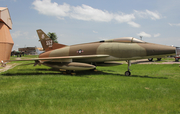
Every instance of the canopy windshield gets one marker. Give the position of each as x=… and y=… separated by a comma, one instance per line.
x=124, y=40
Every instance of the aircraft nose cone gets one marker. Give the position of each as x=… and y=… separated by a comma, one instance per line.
x=171, y=50
x=156, y=49
x=165, y=50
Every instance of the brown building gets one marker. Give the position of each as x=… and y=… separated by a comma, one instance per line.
x=30, y=50
x=178, y=51
x=6, y=42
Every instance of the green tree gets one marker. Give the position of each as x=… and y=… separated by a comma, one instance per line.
x=53, y=36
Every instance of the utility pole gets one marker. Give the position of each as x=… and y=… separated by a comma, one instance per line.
x=140, y=37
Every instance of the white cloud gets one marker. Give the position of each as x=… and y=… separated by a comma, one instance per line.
x=156, y=35
x=88, y=13
x=170, y=24
x=46, y=7
x=84, y=12
x=147, y=14
x=124, y=17
x=134, y=24
x=127, y=18
x=18, y=34
x=143, y=34
x=174, y=24
x=153, y=15
x=95, y=31
x=102, y=38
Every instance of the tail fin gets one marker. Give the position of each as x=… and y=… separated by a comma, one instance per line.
x=46, y=42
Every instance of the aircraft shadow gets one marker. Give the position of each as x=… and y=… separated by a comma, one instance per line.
x=33, y=73
x=86, y=73
x=145, y=62
x=150, y=62
x=77, y=73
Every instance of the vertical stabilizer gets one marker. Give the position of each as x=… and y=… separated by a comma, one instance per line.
x=46, y=42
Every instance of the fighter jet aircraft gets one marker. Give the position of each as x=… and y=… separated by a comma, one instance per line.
x=102, y=53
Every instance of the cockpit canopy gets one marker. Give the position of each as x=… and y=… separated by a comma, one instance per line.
x=124, y=40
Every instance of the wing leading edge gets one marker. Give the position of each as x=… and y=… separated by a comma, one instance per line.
x=63, y=57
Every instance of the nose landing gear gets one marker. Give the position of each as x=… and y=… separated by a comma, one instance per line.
x=128, y=73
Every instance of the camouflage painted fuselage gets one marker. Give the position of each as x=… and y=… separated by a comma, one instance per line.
x=116, y=51
x=102, y=53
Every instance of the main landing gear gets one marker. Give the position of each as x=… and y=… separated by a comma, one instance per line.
x=128, y=73
x=71, y=72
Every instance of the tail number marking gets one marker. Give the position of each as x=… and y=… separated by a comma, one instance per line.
x=49, y=43
x=42, y=36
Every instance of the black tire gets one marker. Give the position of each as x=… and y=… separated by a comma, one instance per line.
x=68, y=71
x=71, y=72
x=158, y=59
x=150, y=59
x=127, y=73
x=177, y=59
x=92, y=69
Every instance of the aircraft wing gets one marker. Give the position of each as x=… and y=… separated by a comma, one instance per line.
x=62, y=58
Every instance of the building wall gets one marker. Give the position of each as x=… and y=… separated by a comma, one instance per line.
x=29, y=50
x=5, y=17
x=177, y=50
x=6, y=42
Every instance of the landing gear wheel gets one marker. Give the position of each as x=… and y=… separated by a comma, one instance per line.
x=70, y=72
x=94, y=69
x=158, y=59
x=127, y=73
x=150, y=59
x=176, y=59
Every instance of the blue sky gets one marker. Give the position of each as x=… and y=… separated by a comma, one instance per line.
x=80, y=21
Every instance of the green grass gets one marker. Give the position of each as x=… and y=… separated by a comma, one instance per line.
x=24, y=57
x=151, y=89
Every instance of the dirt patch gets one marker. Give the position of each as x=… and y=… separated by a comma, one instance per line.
x=144, y=61
x=7, y=67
